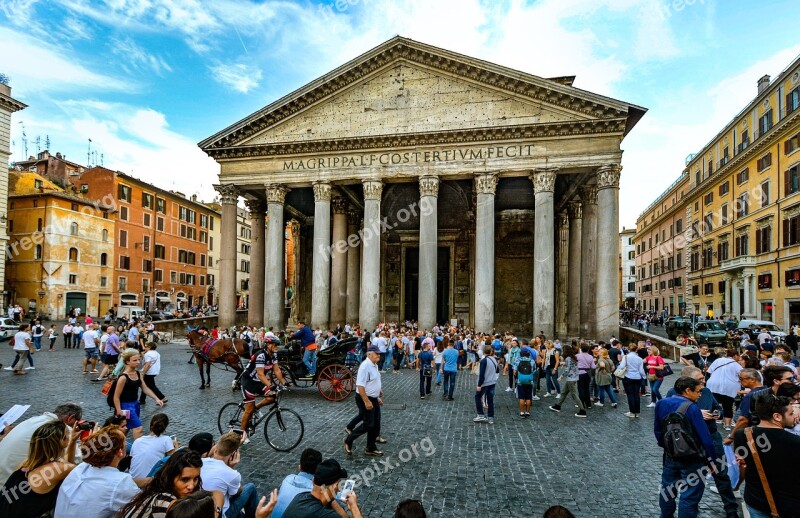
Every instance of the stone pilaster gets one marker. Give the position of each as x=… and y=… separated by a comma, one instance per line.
x=576, y=274
x=353, y=266
x=255, y=308
x=562, y=273
x=485, y=187
x=607, y=302
x=227, y=261
x=369, y=305
x=544, y=182
x=321, y=282
x=274, y=280
x=428, y=251
x=588, y=261
x=339, y=262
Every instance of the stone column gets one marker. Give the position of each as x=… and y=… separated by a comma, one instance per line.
x=485, y=186
x=275, y=278
x=428, y=251
x=544, y=267
x=607, y=267
x=748, y=308
x=737, y=310
x=588, y=261
x=227, y=260
x=321, y=276
x=293, y=273
x=562, y=274
x=339, y=262
x=727, y=297
x=353, y=267
x=369, y=305
x=575, y=271
x=255, y=308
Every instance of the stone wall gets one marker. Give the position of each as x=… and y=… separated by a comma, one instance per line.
x=178, y=326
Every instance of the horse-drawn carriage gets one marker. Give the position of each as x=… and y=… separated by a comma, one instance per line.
x=336, y=368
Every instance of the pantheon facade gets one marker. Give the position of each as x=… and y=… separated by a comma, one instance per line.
x=424, y=184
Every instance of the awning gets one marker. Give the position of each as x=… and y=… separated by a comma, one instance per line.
x=163, y=299
x=129, y=297
x=181, y=298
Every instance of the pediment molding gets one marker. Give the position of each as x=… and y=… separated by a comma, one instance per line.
x=399, y=49
x=406, y=140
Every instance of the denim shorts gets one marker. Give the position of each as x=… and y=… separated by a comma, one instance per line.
x=91, y=353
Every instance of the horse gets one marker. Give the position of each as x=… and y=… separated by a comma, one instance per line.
x=230, y=352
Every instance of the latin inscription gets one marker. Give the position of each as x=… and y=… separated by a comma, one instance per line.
x=409, y=157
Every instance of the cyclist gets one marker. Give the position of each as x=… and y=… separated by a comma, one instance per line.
x=255, y=382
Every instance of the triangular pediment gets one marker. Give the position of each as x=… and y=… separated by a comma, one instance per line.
x=404, y=87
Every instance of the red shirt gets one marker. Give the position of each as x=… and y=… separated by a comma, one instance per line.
x=651, y=362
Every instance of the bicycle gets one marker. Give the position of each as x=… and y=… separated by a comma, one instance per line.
x=283, y=428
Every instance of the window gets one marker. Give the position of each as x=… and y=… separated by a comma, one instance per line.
x=724, y=188
x=73, y=279
x=124, y=262
x=695, y=261
x=708, y=198
x=187, y=215
x=104, y=259
x=708, y=288
x=74, y=207
x=722, y=251
x=708, y=256
x=145, y=285
x=678, y=282
x=173, y=277
x=697, y=178
x=695, y=230
x=73, y=255
x=123, y=238
x=39, y=225
x=244, y=266
x=203, y=236
x=791, y=231
x=158, y=275
x=244, y=284
x=35, y=203
x=160, y=224
x=741, y=245
x=742, y=176
x=679, y=226
x=763, y=236
x=202, y=259
x=11, y=225
x=211, y=221
x=709, y=223
x=210, y=279
x=105, y=235
x=146, y=243
x=204, y=220
x=147, y=201
x=793, y=100
x=765, y=122
x=103, y=282
x=745, y=142
x=791, y=180
x=793, y=277
x=710, y=169
x=123, y=213
x=792, y=145
x=122, y=284
x=724, y=218
x=210, y=243
x=182, y=278
x=764, y=162
x=160, y=252
x=37, y=252
x=203, y=280
x=147, y=265
x=695, y=290
x=146, y=219
x=245, y=248
x=765, y=281
x=721, y=287
x=741, y=206
x=161, y=205
x=191, y=233
x=38, y=184
x=679, y=262
x=73, y=229
x=124, y=193
x=765, y=194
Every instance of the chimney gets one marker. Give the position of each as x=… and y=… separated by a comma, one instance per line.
x=763, y=83
x=194, y=197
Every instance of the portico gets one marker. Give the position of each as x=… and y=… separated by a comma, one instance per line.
x=432, y=186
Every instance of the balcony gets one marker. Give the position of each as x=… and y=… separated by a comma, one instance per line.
x=737, y=263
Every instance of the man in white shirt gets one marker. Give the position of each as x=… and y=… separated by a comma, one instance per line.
x=77, y=333
x=151, y=367
x=23, y=347
x=218, y=474
x=14, y=447
x=763, y=336
x=38, y=332
x=369, y=401
x=90, y=352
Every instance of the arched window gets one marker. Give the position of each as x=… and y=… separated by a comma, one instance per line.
x=73, y=228
x=105, y=235
x=39, y=225
x=38, y=251
x=104, y=259
x=73, y=255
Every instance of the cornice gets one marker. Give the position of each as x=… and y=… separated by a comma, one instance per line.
x=407, y=140
x=403, y=50
x=10, y=104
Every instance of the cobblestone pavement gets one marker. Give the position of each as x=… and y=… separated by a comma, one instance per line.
x=600, y=466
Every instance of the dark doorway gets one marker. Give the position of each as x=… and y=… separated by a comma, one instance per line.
x=411, y=288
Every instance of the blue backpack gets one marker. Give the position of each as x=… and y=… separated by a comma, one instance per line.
x=525, y=371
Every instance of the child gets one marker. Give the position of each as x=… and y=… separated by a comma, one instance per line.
x=52, y=336
x=525, y=370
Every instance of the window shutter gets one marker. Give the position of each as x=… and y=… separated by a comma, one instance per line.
x=787, y=147
x=789, y=103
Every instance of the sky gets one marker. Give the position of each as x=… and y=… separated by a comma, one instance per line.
x=146, y=80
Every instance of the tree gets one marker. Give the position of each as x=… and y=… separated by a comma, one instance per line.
x=4, y=79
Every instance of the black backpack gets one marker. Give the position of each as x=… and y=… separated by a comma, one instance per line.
x=680, y=439
x=525, y=367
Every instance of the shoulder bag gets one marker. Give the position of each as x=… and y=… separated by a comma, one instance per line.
x=622, y=369
x=748, y=432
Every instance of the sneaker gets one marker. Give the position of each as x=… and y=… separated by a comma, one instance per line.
x=422, y=397
x=491, y=420
x=613, y=405
x=546, y=394
x=509, y=389
x=536, y=398
x=728, y=428
x=480, y=419
x=580, y=415
x=374, y=453
x=347, y=430
x=522, y=414
x=598, y=404
x=381, y=440
x=558, y=396
x=651, y=405
x=554, y=409
x=347, y=448
x=629, y=414
x=30, y=368
x=451, y=399
x=527, y=414
x=245, y=441
x=8, y=369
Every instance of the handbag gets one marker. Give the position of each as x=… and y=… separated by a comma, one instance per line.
x=651, y=377
x=107, y=386
x=621, y=370
x=667, y=370
x=748, y=432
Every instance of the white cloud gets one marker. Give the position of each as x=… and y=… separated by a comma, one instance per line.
x=134, y=56
x=238, y=76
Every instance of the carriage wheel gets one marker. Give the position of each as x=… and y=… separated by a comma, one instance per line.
x=335, y=382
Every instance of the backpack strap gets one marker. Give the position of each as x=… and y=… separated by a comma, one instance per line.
x=684, y=407
x=748, y=432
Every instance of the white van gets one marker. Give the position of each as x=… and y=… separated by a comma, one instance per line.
x=131, y=312
x=753, y=327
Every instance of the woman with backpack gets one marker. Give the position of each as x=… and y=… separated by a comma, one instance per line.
x=571, y=385
x=511, y=365
x=525, y=369
x=603, y=376
x=125, y=392
x=552, y=359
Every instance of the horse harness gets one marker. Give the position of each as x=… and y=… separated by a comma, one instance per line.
x=204, y=348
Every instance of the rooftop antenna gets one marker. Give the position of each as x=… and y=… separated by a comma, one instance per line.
x=89, y=154
x=47, y=142
x=38, y=144
x=24, y=141
x=101, y=160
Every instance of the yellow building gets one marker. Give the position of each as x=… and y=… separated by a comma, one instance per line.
x=60, y=251
x=743, y=210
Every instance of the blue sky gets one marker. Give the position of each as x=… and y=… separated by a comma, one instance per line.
x=148, y=79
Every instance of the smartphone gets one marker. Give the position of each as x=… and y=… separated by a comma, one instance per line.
x=348, y=486
x=127, y=413
x=238, y=431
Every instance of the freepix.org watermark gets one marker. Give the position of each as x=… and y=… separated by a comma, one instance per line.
x=667, y=9
x=365, y=476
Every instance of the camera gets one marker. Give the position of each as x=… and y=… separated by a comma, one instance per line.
x=86, y=425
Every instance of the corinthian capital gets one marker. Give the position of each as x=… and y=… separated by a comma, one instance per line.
x=544, y=180
x=256, y=208
x=608, y=176
x=339, y=205
x=429, y=186
x=563, y=219
x=589, y=194
x=354, y=218
x=228, y=193
x=276, y=193
x=322, y=191
x=485, y=183
x=372, y=189
x=575, y=210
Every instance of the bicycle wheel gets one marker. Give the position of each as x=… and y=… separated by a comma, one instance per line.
x=230, y=417
x=283, y=429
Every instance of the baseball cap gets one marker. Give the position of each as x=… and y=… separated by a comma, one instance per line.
x=373, y=349
x=201, y=443
x=328, y=472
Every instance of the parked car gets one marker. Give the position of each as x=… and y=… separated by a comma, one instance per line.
x=709, y=332
x=160, y=315
x=678, y=325
x=754, y=327
x=8, y=328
